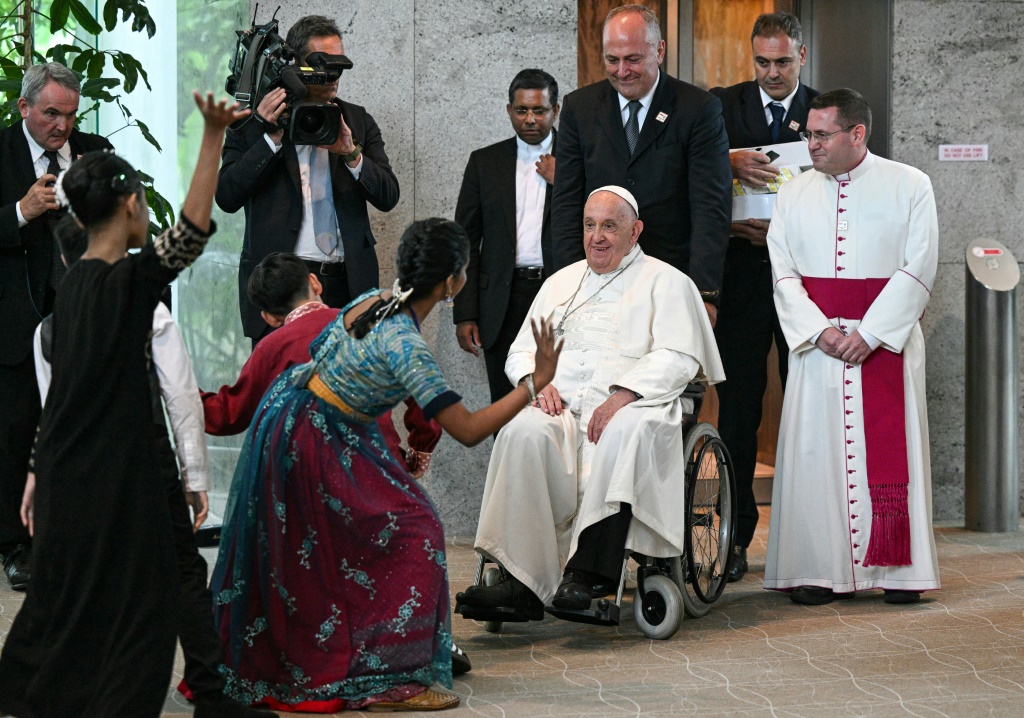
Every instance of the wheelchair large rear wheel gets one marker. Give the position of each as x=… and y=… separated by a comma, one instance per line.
x=711, y=516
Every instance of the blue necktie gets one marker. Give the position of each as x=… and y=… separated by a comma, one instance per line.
x=778, y=112
x=321, y=192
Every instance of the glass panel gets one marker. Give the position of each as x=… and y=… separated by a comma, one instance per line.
x=207, y=296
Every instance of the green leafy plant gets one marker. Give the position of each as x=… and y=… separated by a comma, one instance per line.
x=76, y=28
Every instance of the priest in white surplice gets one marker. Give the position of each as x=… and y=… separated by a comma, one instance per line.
x=595, y=465
x=854, y=246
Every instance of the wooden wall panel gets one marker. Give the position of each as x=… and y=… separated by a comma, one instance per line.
x=590, y=61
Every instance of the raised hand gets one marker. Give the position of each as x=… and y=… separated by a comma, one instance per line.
x=218, y=115
x=546, y=356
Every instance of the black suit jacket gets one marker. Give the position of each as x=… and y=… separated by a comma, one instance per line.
x=679, y=174
x=487, y=211
x=745, y=121
x=268, y=186
x=26, y=252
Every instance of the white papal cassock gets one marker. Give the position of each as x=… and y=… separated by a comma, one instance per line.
x=877, y=222
x=646, y=330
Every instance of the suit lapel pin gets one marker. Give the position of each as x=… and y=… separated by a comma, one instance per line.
x=661, y=117
x=795, y=126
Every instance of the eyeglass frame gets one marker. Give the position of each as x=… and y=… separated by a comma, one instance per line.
x=822, y=137
x=538, y=112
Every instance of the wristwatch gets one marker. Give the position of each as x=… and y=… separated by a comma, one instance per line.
x=354, y=154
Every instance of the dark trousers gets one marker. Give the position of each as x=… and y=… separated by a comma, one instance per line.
x=602, y=546
x=199, y=641
x=747, y=324
x=520, y=298
x=335, y=292
x=19, y=416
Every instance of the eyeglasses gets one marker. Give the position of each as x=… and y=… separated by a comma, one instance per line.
x=821, y=137
x=539, y=112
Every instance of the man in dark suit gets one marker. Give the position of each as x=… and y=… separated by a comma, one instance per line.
x=310, y=201
x=769, y=110
x=662, y=139
x=33, y=151
x=505, y=208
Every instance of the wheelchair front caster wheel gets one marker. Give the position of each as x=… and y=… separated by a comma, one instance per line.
x=490, y=578
x=659, y=611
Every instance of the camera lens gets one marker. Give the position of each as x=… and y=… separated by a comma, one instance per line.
x=311, y=122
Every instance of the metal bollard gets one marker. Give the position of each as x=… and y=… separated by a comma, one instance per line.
x=992, y=434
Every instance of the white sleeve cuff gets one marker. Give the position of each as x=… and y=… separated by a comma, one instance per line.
x=873, y=341
x=355, y=171
x=274, y=147
x=21, y=218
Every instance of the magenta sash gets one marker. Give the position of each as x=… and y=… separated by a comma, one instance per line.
x=885, y=432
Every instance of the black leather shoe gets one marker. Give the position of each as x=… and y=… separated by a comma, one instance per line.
x=509, y=592
x=460, y=661
x=16, y=566
x=573, y=592
x=812, y=595
x=739, y=566
x=223, y=707
x=896, y=596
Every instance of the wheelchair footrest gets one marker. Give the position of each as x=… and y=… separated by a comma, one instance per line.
x=601, y=613
x=504, y=615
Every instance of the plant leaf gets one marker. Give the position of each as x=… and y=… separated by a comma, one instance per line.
x=85, y=19
x=59, y=11
x=144, y=129
x=96, y=65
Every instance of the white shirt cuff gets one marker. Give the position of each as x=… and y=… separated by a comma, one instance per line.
x=273, y=146
x=21, y=218
x=357, y=169
x=873, y=341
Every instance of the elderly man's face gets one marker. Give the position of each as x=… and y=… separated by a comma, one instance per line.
x=629, y=60
x=52, y=118
x=777, y=63
x=610, y=229
x=330, y=45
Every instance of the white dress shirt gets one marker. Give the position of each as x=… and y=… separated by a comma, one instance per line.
x=531, y=189
x=180, y=392
x=786, y=103
x=305, y=245
x=39, y=164
x=645, y=104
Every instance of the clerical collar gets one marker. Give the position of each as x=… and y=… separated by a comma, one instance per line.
x=541, y=148
x=646, y=100
x=302, y=310
x=786, y=101
x=859, y=171
x=35, y=150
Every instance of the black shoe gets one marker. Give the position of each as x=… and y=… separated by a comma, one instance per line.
x=896, y=596
x=812, y=595
x=573, y=592
x=221, y=706
x=460, y=661
x=509, y=592
x=739, y=566
x=16, y=566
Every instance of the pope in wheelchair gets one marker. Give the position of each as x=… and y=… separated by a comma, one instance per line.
x=593, y=467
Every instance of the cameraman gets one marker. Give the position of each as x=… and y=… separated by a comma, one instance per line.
x=304, y=199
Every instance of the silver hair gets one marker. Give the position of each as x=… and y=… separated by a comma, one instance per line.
x=653, y=34
x=37, y=76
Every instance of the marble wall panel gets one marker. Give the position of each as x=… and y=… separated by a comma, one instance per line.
x=466, y=55
x=955, y=66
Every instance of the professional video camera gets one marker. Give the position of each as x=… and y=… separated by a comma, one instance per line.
x=262, y=62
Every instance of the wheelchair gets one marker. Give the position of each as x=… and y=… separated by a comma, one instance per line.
x=666, y=588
